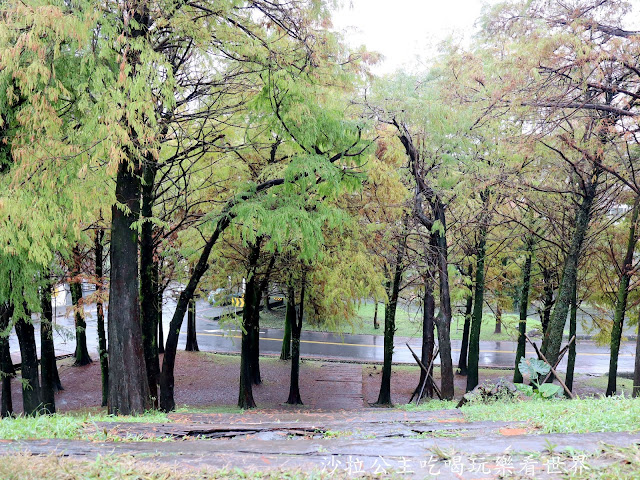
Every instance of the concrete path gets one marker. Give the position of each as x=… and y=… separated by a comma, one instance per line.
x=376, y=441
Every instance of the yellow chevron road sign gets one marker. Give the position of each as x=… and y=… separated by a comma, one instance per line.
x=237, y=301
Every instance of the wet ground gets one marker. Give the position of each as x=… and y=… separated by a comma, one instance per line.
x=378, y=442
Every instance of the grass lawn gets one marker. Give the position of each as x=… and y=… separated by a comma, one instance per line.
x=408, y=324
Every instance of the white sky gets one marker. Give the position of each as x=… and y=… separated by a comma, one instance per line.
x=405, y=31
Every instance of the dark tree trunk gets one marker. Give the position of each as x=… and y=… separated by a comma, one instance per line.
x=261, y=287
x=524, y=303
x=82, y=353
x=102, y=338
x=31, y=395
x=428, y=338
x=376, y=323
x=296, y=329
x=265, y=299
x=621, y=300
x=6, y=365
x=290, y=317
x=476, y=321
x=464, y=347
x=384, y=396
x=192, y=340
x=498, y=328
x=148, y=314
x=571, y=356
x=636, y=365
x=158, y=307
x=254, y=339
x=547, y=299
x=251, y=302
x=553, y=336
x=443, y=319
x=167, y=401
x=128, y=381
x=47, y=350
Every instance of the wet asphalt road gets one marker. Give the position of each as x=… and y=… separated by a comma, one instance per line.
x=368, y=348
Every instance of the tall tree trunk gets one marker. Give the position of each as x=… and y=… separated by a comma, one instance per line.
x=547, y=299
x=476, y=321
x=6, y=365
x=376, y=323
x=468, y=310
x=636, y=365
x=47, y=350
x=261, y=287
x=102, y=338
x=498, y=328
x=296, y=329
x=265, y=299
x=428, y=338
x=621, y=300
x=31, y=395
x=82, y=353
x=128, y=381
x=553, y=336
x=148, y=314
x=251, y=302
x=524, y=304
x=571, y=356
x=384, y=396
x=158, y=306
x=443, y=319
x=289, y=318
x=192, y=339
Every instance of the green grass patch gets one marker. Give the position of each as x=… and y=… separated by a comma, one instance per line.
x=408, y=323
x=605, y=414
x=66, y=426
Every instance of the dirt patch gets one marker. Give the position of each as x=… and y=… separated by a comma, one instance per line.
x=205, y=380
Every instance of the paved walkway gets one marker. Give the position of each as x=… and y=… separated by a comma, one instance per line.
x=436, y=444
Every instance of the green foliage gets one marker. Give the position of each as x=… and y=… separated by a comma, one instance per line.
x=535, y=367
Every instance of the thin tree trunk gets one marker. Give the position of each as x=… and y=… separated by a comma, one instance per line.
x=636, y=365
x=428, y=338
x=82, y=353
x=443, y=319
x=464, y=347
x=384, y=396
x=102, y=338
x=376, y=323
x=148, y=314
x=289, y=318
x=192, y=340
x=251, y=302
x=261, y=287
x=296, y=329
x=476, y=321
x=524, y=304
x=621, y=300
x=6, y=365
x=547, y=301
x=31, y=395
x=498, y=328
x=47, y=351
x=554, y=334
x=158, y=306
x=571, y=356
x=128, y=382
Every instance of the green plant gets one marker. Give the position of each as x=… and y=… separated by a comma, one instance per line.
x=534, y=368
